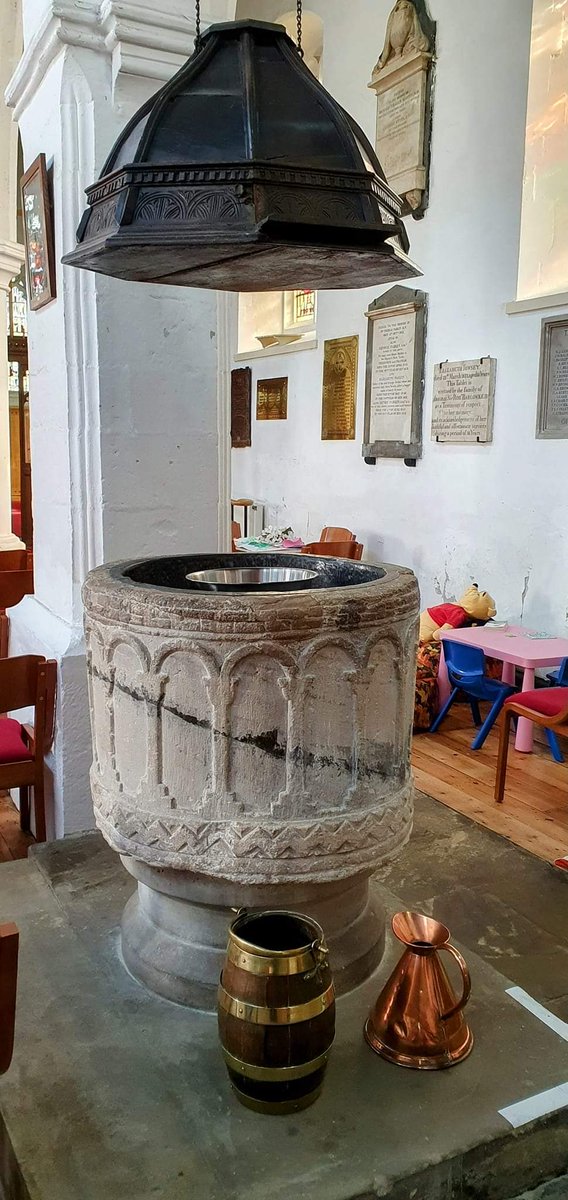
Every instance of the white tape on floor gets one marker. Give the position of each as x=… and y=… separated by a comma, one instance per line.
x=560, y=1027
x=536, y=1106
x=544, y=1102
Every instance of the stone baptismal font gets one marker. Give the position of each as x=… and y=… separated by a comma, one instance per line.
x=251, y=749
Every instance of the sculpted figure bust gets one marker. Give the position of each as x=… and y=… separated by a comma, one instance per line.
x=404, y=34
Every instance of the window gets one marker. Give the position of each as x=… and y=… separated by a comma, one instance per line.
x=275, y=320
x=543, y=257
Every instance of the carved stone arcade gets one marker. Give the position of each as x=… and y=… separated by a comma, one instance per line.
x=255, y=746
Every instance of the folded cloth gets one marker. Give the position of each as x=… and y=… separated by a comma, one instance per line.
x=292, y=543
x=253, y=544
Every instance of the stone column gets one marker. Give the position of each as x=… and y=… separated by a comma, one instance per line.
x=11, y=258
x=124, y=393
x=11, y=252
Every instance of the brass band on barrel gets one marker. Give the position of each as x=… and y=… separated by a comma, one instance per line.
x=259, y=964
x=275, y=1074
x=290, y=1015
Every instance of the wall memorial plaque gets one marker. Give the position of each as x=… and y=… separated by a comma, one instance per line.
x=241, y=395
x=272, y=400
x=394, y=384
x=552, y=420
x=464, y=395
x=340, y=360
x=402, y=80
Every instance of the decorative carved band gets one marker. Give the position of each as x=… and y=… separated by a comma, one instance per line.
x=262, y=851
x=312, y=205
x=197, y=206
x=102, y=218
x=168, y=177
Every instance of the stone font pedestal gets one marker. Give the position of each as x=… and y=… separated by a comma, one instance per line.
x=250, y=750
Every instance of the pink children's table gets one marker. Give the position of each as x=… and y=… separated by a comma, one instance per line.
x=516, y=648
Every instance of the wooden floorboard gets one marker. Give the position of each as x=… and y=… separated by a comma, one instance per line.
x=535, y=812
x=13, y=843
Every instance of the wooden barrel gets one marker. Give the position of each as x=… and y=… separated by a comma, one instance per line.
x=276, y=1010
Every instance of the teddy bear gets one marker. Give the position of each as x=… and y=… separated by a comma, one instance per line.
x=473, y=607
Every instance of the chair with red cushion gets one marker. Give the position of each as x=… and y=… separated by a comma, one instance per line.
x=335, y=549
x=547, y=707
x=27, y=681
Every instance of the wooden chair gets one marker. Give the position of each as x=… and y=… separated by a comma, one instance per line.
x=335, y=549
x=14, y=585
x=245, y=505
x=28, y=681
x=547, y=707
x=235, y=533
x=334, y=533
x=9, y=941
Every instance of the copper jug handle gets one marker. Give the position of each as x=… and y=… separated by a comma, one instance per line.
x=466, y=982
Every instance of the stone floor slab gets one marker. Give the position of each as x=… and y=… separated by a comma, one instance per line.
x=116, y=1093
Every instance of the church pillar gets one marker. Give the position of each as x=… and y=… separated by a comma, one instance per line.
x=11, y=252
x=11, y=258
x=126, y=404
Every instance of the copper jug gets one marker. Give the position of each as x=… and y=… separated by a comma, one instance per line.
x=417, y=1020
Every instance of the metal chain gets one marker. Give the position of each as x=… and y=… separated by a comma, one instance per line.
x=197, y=24
x=299, y=27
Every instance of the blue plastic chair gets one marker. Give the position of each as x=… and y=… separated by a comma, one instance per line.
x=466, y=672
x=557, y=678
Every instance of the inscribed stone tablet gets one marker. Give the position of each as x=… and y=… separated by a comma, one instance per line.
x=464, y=393
x=553, y=389
x=400, y=130
x=392, y=378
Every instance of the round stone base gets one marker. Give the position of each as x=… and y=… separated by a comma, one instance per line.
x=174, y=928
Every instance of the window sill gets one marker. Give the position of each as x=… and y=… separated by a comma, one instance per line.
x=272, y=351
x=537, y=303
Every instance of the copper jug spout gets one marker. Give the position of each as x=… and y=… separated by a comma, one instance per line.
x=418, y=1020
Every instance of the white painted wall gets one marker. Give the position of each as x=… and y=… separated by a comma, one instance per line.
x=496, y=514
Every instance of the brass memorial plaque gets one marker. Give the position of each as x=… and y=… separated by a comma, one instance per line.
x=272, y=400
x=340, y=358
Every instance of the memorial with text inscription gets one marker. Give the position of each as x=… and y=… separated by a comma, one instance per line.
x=395, y=375
x=402, y=81
x=463, y=401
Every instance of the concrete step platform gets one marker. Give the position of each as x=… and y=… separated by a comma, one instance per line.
x=115, y=1094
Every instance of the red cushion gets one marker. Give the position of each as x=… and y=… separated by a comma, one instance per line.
x=549, y=702
x=12, y=745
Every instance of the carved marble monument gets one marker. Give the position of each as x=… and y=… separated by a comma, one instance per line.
x=249, y=750
x=401, y=80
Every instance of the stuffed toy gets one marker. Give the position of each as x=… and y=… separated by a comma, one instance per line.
x=472, y=608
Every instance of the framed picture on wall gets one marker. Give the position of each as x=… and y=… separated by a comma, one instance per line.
x=38, y=234
x=241, y=397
